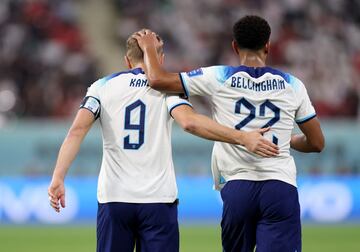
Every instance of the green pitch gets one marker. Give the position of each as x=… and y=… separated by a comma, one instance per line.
x=193, y=239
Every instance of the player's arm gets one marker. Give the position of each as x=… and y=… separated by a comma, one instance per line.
x=68, y=151
x=158, y=78
x=312, y=139
x=205, y=127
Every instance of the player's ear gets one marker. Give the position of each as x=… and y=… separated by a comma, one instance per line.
x=127, y=62
x=267, y=47
x=235, y=47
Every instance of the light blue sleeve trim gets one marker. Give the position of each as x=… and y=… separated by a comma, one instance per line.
x=305, y=119
x=294, y=82
x=100, y=82
x=223, y=73
x=183, y=83
x=177, y=105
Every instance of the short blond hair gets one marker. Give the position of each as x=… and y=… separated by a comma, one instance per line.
x=134, y=52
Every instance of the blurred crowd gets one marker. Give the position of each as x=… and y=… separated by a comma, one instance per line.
x=44, y=65
x=316, y=40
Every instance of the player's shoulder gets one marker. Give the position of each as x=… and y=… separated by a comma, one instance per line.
x=224, y=72
x=204, y=70
x=129, y=73
x=217, y=71
x=258, y=72
x=293, y=81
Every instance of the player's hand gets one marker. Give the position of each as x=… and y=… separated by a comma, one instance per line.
x=146, y=39
x=256, y=143
x=56, y=192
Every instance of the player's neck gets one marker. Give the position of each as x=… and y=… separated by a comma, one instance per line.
x=252, y=59
x=138, y=65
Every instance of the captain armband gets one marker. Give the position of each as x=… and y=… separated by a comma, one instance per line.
x=92, y=104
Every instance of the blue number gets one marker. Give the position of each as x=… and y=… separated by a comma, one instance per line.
x=139, y=127
x=250, y=107
x=273, y=120
x=275, y=109
x=267, y=104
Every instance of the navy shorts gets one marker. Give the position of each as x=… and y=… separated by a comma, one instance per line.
x=153, y=227
x=261, y=214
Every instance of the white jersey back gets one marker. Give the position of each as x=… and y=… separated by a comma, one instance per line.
x=249, y=98
x=137, y=164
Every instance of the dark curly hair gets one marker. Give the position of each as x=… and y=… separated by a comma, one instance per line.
x=251, y=32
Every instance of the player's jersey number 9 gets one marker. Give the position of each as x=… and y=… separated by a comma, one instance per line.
x=140, y=126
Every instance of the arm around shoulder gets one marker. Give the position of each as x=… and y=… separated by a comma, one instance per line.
x=203, y=126
x=158, y=77
x=164, y=81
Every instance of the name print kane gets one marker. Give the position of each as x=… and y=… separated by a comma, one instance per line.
x=138, y=83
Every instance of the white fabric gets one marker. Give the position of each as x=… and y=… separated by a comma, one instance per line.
x=144, y=174
x=252, y=94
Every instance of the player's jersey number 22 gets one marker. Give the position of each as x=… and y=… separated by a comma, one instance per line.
x=252, y=113
x=140, y=126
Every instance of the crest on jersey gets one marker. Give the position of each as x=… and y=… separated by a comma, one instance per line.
x=195, y=72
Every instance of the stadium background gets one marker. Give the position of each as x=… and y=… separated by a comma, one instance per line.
x=51, y=50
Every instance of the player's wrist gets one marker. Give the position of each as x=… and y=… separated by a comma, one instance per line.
x=148, y=48
x=241, y=137
x=59, y=178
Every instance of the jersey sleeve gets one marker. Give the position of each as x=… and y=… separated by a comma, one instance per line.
x=91, y=100
x=173, y=101
x=305, y=110
x=201, y=81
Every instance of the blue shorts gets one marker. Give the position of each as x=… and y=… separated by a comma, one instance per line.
x=265, y=214
x=153, y=227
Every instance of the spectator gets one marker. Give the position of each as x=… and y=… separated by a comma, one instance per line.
x=43, y=52
x=43, y=57
x=195, y=35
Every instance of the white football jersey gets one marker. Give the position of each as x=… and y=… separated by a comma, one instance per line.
x=137, y=164
x=249, y=98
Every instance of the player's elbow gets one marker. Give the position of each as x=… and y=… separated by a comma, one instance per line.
x=155, y=82
x=76, y=132
x=318, y=145
x=189, y=125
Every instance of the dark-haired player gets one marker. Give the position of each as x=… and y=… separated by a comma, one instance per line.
x=261, y=206
x=137, y=191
